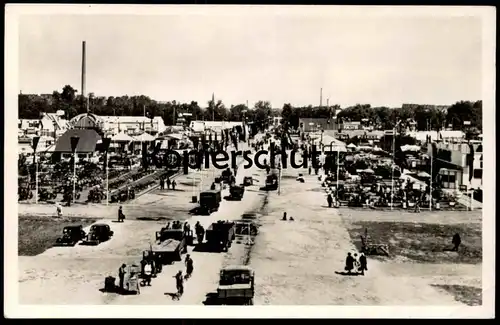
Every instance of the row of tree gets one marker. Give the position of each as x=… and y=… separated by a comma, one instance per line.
x=32, y=106
x=427, y=117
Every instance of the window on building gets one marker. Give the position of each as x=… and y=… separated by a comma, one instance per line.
x=448, y=179
x=478, y=173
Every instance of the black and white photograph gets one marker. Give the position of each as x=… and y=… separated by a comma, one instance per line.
x=247, y=156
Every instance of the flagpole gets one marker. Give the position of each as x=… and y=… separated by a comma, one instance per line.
x=392, y=167
x=430, y=204
x=36, y=180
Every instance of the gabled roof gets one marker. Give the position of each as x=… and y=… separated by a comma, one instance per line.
x=87, y=142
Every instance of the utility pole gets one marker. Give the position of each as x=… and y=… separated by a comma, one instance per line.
x=84, y=75
x=213, y=107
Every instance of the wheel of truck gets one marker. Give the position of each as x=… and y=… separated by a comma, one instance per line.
x=250, y=302
x=179, y=256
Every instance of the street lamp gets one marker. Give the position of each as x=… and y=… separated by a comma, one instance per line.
x=105, y=143
x=74, y=144
x=393, y=161
x=35, y=145
x=338, y=166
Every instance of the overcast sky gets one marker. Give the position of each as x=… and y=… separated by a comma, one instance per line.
x=380, y=61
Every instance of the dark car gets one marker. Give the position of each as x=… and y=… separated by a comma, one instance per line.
x=98, y=233
x=71, y=236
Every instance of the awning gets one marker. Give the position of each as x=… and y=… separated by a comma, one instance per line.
x=144, y=137
x=176, y=136
x=122, y=137
x=423, y=174
x=351, y=145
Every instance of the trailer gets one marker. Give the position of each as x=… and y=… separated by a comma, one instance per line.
x=220, y=235
x=236, y=285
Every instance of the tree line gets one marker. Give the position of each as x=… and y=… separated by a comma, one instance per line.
x=67, y=100
x=427, y=117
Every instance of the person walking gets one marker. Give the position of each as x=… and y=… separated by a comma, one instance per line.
x=59, y=210
x=456, y=241
x=363, y=264
x=173, y=185
x=349, y=263
x=148, y=273
x=329, y=199
x=168, y=183
x=356, y=262
x=189, y=266
x=121, y=275
x=179, y=282
x=121, y=216
x=162, y=184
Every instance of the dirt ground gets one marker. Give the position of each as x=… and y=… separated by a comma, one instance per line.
x=296, y=262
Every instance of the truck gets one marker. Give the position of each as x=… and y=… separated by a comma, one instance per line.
x=170, y=245
x=220, y=235
x=236, y=192
x=272, y=182
x=210, y=201
x=236, y=285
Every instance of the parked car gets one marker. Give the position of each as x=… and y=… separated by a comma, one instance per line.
x=71, y=236
x=98, y=233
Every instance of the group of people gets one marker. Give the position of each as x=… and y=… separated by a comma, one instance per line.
x=355, y=264
x=169, y=183
x=180, y=278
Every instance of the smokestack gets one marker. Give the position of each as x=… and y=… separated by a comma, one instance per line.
x=84, y=72
x=320, y=97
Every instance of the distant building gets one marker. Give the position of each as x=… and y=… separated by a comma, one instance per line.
x=351, y=126
x=316, y=124
x=131, y=125
x=181, y=119
x=202, y=126
x=50, y=124
x=461, y=170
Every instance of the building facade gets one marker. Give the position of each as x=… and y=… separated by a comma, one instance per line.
x=466, y=161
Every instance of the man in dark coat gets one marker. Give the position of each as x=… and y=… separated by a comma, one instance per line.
x=121, y=216
x=121, y=275
x=329, y=200
x=456, y=241
x=363, y=264
x=349, y=263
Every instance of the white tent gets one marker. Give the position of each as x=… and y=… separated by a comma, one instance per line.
x=144, y=137
x=409, y=147
x=351, y=145
x=423, y=174
x=122, y=137
x=176, y=136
